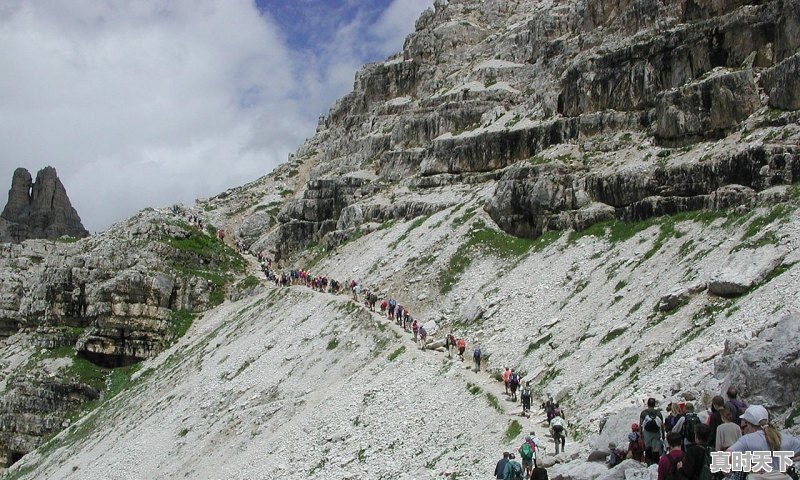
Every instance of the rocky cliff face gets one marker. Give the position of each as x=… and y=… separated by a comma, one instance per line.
x=39, y=209
x=79, y=309
x=581, y=111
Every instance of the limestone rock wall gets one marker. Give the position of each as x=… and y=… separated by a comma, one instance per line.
x=483, y=89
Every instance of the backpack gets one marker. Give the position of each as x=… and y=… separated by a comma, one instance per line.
x=705, y=470
x=513, y=379
x=558, y=428
x=477, y=353
x=652, y=423
x=516, y=470
x=635, y=442
x=526, y=393
x=738, y=409
x=526, y=452
x=673, y=472
x=690, y=421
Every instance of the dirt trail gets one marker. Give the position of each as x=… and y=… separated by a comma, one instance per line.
x=535, y=421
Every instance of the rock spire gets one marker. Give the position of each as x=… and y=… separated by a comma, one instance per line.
x=39, y=209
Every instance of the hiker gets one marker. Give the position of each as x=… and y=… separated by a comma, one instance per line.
x=450, y=344
x=537, y=445
x=715, y=417
x=476, y=356
x=384, y=304
x=423, y=336
x=539, y=473
x=356, y=291
x=512, y=470
x=462, y=346
x=728, y=433
x=686, y=425
x=559, y=432
x=414, y=330
x=513, y=384
x=506, y=374
x=407, y=319
x=761, y=436
x=670, y=463
x=501, y=465
x=615, y=455
x=653, y=431
x=525, y=395
x=527, y=452
x=635, y=444
x=736, y=406
x=673, y=415
x=697, y=456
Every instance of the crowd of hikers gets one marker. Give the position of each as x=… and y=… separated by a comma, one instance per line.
x=677, y=439
x=688, y=447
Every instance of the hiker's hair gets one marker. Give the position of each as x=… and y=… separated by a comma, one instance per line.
x=676, y=410
x=702, y=433
x=689, y=407
x=726, y=413
x=674, y=439
x=771, y=433
x=651, y=402
x=732, y=392
x=718, y=401
x=506, y=454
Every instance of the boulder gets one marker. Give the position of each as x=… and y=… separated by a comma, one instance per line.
x=616, y=428
x=628, y=469
x=765, y=369
x=745, y=269
x=782, y=84
x=678, y=296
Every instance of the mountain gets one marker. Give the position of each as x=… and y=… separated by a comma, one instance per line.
x=601, y=195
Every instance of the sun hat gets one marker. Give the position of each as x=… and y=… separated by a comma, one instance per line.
x=755, y=414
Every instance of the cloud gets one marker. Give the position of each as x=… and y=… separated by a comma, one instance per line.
x=145, y=103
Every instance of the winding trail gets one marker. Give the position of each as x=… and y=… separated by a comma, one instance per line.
x=534, y=421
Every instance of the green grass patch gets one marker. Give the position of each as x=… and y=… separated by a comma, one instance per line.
x=393, y=356
x=613, y=334
x=180, y=321
x=249, y=282
x=494, y=402
x=623, y=367
x=414, y=225
x=620, y=285
x=473, y=389
x=533, y=346
x=486, y=241
x=332, y=344
x=635, y=308
x=461, y=220
x=758, y=223
x=513, y=430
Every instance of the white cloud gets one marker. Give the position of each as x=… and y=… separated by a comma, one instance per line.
x=144, y=102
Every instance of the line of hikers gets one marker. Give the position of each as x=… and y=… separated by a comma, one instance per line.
x=685, y=447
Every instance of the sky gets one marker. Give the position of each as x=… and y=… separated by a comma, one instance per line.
x=141, y=103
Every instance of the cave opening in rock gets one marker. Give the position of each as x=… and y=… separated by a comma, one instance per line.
x=109, y=361
x=14, y=457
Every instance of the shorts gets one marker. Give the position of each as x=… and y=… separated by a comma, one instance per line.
x=527, y=463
